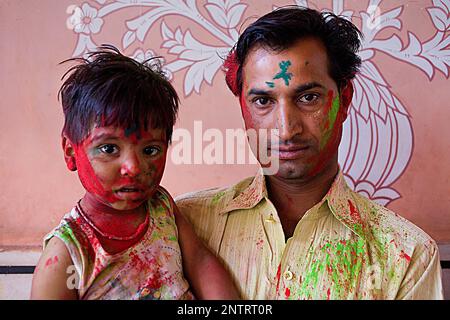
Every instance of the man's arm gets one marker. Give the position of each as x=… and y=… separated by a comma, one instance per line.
x=50, y=276
x=423, y=279
x=205, y=273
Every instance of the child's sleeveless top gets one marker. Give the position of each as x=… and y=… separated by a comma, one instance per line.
x=150, y=269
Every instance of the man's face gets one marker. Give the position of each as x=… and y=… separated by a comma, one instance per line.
x=121, y=169
x=293, y=92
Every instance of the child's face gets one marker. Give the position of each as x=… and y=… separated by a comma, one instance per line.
x=119, y=168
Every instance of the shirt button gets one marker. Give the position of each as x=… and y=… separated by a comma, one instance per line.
x=270, y=219
x=288, y=275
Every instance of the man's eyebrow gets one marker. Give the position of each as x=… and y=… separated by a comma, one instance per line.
x=259, y=92
x=299, y=89
x=308, y=86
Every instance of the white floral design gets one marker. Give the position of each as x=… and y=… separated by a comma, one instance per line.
x=85, y=20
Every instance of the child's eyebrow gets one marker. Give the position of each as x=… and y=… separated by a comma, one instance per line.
x=156, y=140
x=103, y=136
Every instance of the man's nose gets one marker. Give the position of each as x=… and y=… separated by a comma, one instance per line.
x=130, y=165
x=289, y=122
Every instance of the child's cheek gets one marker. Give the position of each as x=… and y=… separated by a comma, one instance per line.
x=155, y=171
x=88, y=178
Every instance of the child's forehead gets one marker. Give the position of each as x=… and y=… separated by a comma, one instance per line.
x=114, y=132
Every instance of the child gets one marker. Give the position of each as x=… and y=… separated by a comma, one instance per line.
x=122, y=240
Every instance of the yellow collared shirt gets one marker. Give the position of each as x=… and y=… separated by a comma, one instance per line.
x=345, y=247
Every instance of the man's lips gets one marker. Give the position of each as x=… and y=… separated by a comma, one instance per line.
x=290, y=152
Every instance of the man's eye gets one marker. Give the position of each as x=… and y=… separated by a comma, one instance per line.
x=309, y=98
x=152, y=151
x=261, y=101
x=108, y=149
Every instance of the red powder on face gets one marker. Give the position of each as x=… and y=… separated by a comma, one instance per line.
x=231, y=67
x=88, y=177
x=332, y=145
x=328, y=109
x=246, y=113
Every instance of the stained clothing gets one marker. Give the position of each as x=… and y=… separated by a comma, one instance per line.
x=150, y=269
x=345, y=247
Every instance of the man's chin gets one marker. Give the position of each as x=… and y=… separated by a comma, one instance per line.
x=292, y=171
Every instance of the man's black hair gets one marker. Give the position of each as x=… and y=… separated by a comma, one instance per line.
x=281, y=28
x=109, y=88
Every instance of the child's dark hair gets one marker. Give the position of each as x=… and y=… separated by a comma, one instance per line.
x=281, y=28
x=109, y=88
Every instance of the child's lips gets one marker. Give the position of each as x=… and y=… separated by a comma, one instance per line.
x=130, y=192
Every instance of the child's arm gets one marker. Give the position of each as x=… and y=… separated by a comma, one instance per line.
x=50, y=276
x=205, y=273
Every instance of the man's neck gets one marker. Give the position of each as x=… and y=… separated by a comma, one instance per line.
x=293, y=197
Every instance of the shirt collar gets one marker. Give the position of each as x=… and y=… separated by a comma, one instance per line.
x=339, y=198
x=250, y=196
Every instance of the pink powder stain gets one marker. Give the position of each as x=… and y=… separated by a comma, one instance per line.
x=329, y=269
x=51, y=261
x=259, y=243
x=328, y=294
x=287, y=293
x=405, y=256
x=353, y=212
x=278, y=278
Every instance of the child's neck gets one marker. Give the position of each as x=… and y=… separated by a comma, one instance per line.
x=120, y=223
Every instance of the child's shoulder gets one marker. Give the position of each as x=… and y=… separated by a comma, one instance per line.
x=72, y=232
x=162, y=200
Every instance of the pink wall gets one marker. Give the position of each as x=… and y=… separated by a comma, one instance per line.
x=403, y=90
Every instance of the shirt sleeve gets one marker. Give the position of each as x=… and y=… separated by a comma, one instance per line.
x=423, y=279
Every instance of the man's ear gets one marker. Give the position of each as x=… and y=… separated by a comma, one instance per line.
x=69, y=153
x=346, y=97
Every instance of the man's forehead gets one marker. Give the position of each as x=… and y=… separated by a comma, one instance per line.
x=303, y=62
x=303, y=51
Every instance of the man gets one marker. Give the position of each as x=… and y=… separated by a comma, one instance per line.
x=302, y=233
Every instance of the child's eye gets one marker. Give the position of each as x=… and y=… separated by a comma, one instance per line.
x=108, y=149
x=152, y=151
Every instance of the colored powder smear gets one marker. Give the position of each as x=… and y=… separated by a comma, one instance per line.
x=342, y=261
x=270, y=84
x=283, y=74
x=332, y=115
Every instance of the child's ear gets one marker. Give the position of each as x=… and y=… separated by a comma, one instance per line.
x=69, y=154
